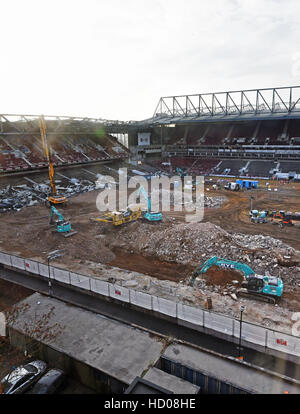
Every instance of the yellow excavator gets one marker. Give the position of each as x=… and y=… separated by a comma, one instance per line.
x=54, y=198
x=119, y=217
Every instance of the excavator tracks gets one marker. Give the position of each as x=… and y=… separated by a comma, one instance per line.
x=257, y=296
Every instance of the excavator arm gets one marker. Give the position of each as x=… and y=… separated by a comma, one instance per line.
x=224, y=263
x=54, y=211
x=142, y=190
x=153, y=217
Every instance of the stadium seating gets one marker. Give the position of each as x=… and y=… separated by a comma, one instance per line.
x=19, y=152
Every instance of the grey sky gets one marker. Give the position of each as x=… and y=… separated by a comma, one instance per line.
x=115, y=58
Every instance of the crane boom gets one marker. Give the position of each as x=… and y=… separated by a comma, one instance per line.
x=48, y=154
x=54, y=198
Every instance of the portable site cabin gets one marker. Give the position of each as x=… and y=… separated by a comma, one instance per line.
x=247, y=183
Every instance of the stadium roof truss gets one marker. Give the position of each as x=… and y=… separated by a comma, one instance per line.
x=251, y=104
x=16, y=124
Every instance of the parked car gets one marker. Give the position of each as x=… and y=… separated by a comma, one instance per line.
x=49, y=383
x=22, y=377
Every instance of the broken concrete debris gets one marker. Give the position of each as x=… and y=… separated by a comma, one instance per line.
x=14, y=198
x=193, y=243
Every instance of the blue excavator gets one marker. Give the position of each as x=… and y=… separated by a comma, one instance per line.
x=62, y=226
x=265, y=288
x=180, y=172
x=153, y=217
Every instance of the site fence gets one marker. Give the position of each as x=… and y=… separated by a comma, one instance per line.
x=196, y=318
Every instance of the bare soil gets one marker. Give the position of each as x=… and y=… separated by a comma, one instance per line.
x=221, y=277
x=150, y=266
x=28, y=233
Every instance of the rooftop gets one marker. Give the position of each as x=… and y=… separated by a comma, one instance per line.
x=114, y=348
x=234, y=373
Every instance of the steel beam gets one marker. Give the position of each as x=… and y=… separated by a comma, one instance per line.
x=266, y=100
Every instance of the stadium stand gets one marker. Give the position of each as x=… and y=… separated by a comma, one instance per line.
x=260, y=168
x=18, y=152
x=289, y=166
x=231, y=167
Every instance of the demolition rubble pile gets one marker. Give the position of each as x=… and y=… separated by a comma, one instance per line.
x=194, y=243
x=213, y=202
x=178, y=199
x=14, y=198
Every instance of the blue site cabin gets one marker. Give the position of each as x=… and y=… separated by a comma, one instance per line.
x=247, y=183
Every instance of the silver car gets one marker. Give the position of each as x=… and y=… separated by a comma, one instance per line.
x=21, y=378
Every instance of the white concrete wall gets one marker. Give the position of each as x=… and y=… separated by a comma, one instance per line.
x=80, y=281
x=5, y=259
x=99, y=286
x=140, y=299
x=118, y=292
x=195, y=317
x=31, y=266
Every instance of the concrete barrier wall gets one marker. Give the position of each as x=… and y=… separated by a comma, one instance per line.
x=165, y=306
x=284, y=343
x=190, y=314
x=31, y=266
x=43, y=270
x=5, y=259
x=17, y=262
x=141, y=299
x=253, y=333
x=218, y=322
x=80, y=281
x=99, y=286
x=61, y=275
x=118, y=292
x=195, y=317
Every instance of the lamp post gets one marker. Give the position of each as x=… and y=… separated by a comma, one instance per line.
x=51, y=256
x=242, y=308
x=251, y=202
x=161, y=141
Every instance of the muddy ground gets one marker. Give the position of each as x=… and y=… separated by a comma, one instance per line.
x=27, y=233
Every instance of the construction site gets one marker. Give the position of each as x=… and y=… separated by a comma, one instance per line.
x=244, y=253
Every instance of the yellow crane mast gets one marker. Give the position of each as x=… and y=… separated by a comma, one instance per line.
x=53, y=199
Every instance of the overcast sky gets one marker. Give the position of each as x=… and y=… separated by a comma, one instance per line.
x=115, y=58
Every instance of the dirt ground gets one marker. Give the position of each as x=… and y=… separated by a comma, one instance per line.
x=221, y=277
x=27, y=233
